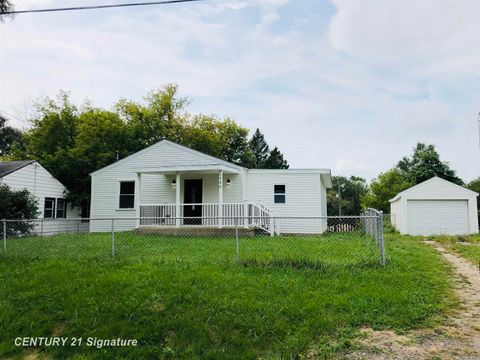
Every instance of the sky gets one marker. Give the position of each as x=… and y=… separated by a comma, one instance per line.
x=349, y=85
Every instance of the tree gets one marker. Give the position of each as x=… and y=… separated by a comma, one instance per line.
x=384, y=188
x=350, y=190
x=162, y=116
x=101, y=137
x=19, y=204
x=5, y=6
x=275, y=160
x=9, y=137
x=474, y=185
x=73, y=141
x=425, y=163
x=259, y=148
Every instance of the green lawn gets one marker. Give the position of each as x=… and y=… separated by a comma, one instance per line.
x=189, y=298
x=467, y=246
x=326, y=252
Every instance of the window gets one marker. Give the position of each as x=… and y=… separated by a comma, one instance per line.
x=61, y=208
x=49, y=208
x=279, y=194
x=127, y=195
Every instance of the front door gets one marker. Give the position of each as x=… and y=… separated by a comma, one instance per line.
x=192, y=195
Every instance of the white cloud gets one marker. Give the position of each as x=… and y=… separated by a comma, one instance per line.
x=354, y=98
x=429, y=35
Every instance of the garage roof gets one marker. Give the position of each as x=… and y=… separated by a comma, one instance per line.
x=7, y=167
x=432, y=182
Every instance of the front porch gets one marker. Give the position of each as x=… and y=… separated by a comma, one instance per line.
x=207, y=197
x=242, y=215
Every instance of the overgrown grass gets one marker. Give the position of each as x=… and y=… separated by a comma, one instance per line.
x=266, y=306
x=466, y=246
x=328, y=252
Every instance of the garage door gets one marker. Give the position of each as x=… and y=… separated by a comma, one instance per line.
x=431, y=217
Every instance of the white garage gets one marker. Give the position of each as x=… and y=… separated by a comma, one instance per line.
x=435, y=207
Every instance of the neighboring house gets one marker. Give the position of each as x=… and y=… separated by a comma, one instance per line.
x=167, y=180
x=49, y=192
x=435, y=207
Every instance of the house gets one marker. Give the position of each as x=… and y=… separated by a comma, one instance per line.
x=49, y=192
x=171, y=186
x=435, y=207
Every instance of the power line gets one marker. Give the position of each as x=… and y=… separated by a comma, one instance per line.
x=93, y=7
x=12, y=116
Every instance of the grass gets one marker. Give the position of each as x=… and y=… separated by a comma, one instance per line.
x=466, y=246
x=287, y=297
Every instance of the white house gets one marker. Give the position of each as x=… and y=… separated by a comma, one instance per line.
x=50, y=192
x=435, y=207
x=169, y=185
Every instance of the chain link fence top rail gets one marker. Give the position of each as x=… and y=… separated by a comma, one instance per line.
x=317, y=242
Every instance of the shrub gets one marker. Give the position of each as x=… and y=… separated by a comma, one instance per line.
x=19, y=204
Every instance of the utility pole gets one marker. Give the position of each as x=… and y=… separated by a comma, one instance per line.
x=339, y=197
x=479, y=129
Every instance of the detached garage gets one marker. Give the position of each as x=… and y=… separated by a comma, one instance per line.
x=435, y=207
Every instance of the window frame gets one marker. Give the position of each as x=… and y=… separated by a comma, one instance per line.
x=279, y=194
x=64, y=212
x=119, y=207
x=52, y=209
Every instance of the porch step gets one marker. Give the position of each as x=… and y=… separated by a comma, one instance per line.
x=196, y=231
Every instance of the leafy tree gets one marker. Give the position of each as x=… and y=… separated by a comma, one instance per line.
x=161, y=117
x=5, y=6
x=101, y=137
x=275, y=160
x=384, y=188
x=259, y=148
x=425, y=163
x=474, y=185
x=9, y=137
x=19, y=204
x=351, y=191
x=71, y=142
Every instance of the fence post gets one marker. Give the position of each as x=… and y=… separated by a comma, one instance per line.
x=113, y=238
x=237, y=252
x=5, y=237
x=41, y=228
x=381, y=239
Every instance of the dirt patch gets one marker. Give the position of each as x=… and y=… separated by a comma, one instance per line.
x=459, y=338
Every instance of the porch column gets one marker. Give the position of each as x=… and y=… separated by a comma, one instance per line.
x=138, y=194
x=177, y=200
x=220, y=198
x=243, y=179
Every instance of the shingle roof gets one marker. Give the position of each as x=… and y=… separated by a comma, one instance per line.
x=7, y=167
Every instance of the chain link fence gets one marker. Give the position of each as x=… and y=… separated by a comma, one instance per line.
x=290, y=241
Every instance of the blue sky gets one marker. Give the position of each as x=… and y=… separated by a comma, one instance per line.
x=349, y=85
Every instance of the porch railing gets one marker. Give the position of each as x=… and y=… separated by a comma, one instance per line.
x=233, y=214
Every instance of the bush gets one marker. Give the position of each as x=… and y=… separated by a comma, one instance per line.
x=17, y=205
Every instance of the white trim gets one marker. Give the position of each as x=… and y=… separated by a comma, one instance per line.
x=284, y=194
x=220, y=198
x=295, y=171
x=435, y=178
x=169, y=143
x=117, y=207
x=213, y=168
x=178, y=181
